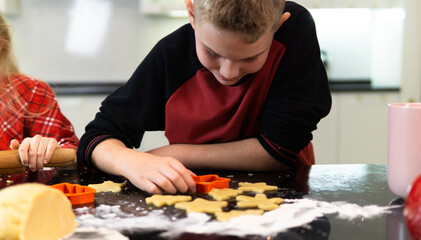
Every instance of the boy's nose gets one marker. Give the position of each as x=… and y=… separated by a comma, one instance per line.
x=229, y=69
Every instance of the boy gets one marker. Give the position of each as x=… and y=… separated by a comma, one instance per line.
x=241, y=87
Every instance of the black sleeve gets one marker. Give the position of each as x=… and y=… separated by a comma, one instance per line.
x=299, y=96
x=139, y=105
x=128, y=112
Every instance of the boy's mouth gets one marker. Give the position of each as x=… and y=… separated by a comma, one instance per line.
x=223, y=79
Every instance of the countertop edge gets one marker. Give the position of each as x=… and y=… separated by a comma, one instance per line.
x=105, y=88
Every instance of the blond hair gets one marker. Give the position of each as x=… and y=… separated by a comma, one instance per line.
x=249, y=17
x=8, y=63
x=8, y=68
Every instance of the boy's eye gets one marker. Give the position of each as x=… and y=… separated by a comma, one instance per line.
x=212, y=54
x=250, y=59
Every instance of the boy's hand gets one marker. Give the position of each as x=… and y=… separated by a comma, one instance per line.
x=148, y=172
x=157, y=174
x=36, y=151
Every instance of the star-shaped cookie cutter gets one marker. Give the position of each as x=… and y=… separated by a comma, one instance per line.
x=205, y=183
x=77, y=194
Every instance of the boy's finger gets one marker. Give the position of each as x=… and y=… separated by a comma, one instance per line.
x=192, y=173
x=164, y=183
x=150, y=187
x=190, y=183
x=176, y=179
x=186, y=174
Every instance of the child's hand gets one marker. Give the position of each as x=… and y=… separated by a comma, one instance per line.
x=148, y=172
x=36, y=151
x=157, y=174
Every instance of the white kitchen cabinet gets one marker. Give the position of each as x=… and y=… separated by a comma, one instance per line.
x=356, y=129
x=80, y=110
x=361, y=4
x=350, y=3
x=363, y=127
x=396, y=3
x=325, y=137
x=315, y=3
x=10, y=7
x=163, y=7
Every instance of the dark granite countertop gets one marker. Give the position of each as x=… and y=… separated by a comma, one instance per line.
x=361, y=184
x=357, y=86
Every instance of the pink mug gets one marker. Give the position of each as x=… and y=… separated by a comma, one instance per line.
x=404, y=146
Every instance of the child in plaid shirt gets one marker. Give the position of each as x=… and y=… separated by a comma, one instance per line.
x=30, y=118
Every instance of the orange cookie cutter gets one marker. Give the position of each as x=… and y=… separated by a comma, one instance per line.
x=77, y=194
x=205, y=183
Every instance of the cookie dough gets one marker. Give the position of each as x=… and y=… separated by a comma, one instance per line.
x=260, y=187
x=161, y=200
x=202, y=205
x=226, y=216
x=258, y=201
x=107, y=186
x=223, y=193
x=33, y=211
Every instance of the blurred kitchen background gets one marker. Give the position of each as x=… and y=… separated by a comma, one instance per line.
x=85, y=49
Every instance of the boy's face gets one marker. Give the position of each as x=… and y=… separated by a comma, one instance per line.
x=228, y=55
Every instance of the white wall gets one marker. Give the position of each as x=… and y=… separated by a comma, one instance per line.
x=362, y=43
x=80, y=40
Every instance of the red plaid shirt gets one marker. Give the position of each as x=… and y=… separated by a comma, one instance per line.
x=37, y=114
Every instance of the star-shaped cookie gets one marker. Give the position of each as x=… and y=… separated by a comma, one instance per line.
x=226, y=216
x=223, y=193
x=260, y=187
x=202, y=205
x=107, y=186
x=161, y=200
x=259, y=201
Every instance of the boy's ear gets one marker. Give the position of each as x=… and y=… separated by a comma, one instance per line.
x=284, y=18
x=190, y=12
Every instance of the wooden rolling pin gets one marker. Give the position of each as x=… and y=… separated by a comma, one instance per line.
x=10, y=161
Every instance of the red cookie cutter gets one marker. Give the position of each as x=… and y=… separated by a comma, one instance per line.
x=205, y=183
x=77, y=194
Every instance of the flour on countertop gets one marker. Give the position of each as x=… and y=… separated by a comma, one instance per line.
x=293, y=213
x=96, y=234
